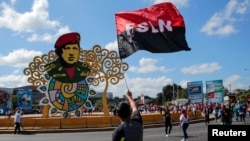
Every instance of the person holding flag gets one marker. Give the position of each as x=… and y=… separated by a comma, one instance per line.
x=131, y=127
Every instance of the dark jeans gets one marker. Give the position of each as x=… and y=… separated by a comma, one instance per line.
x=168, y=127
x=17, y=128
x=207, y=119
x=242, y=117
x=237, y=116
x=184, y=129
x=215, y=117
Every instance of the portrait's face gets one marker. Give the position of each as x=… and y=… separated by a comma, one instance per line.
x=70, y=53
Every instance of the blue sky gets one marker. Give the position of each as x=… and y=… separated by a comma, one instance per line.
x=217, y=31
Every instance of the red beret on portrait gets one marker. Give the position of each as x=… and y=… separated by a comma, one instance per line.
x=68, y=38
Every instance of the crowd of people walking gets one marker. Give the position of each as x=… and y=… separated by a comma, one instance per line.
x=223, y=113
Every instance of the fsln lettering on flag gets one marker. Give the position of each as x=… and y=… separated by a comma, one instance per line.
x=159, y=28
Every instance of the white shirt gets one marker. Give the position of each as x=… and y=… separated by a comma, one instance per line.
x=194, y=108
x=17, y=117
x=184, y=119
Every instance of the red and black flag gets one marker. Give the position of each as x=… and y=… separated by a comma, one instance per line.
x=159, y=28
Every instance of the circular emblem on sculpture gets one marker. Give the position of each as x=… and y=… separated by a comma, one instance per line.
x=67, y=96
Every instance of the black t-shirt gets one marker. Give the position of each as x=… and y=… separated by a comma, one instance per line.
x=131, y=130
x=167, y=117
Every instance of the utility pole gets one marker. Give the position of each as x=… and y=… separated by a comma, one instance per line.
x=229, y=88
x=162, y=98
x=173, y=92
x=177, y=92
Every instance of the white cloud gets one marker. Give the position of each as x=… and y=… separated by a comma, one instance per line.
x=147, y=86
x=147, y=65
x=47, y=37
x=232, y=83
x=112, y=46
x=38, y=17
x=13, y=80
x=243, y=7
x=19, y=58
x=34, y=22
x=183, y=83
x=222, y=23
x=177, y=3
x=203, y=68
x=12, y=2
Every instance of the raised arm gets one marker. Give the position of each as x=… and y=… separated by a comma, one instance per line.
x=131, y=101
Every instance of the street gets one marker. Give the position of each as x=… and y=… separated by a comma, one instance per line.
x=196, y=132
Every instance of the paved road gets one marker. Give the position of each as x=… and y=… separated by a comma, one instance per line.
x=196, y=131
x=150, y=134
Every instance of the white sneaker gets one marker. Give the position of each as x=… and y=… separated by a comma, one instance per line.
x=183, y=140
x=167, y=135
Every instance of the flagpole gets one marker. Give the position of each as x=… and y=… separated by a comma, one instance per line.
x=125, y=78
x=125, y=81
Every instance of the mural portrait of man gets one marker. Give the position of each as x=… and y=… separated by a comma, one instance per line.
x=68, y=88
x=66, y=68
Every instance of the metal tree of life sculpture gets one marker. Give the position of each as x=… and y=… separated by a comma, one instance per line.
x=64, y=75
x=107, y=67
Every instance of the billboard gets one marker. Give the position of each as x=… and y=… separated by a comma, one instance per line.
x=215, y=91
x=24, y=99
x=5, y=100
x=195, y=92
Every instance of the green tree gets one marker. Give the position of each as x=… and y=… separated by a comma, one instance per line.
x=242, y=95
x=167, y=92
x=158, y=99
x=182, y=93
x=170, y=92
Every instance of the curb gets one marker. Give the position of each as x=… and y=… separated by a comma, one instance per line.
x=32, y=131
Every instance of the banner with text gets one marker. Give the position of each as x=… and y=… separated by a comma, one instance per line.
x=195, y=92
x=215, y=91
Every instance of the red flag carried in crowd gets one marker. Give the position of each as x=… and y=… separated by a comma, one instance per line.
x=159, y=28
